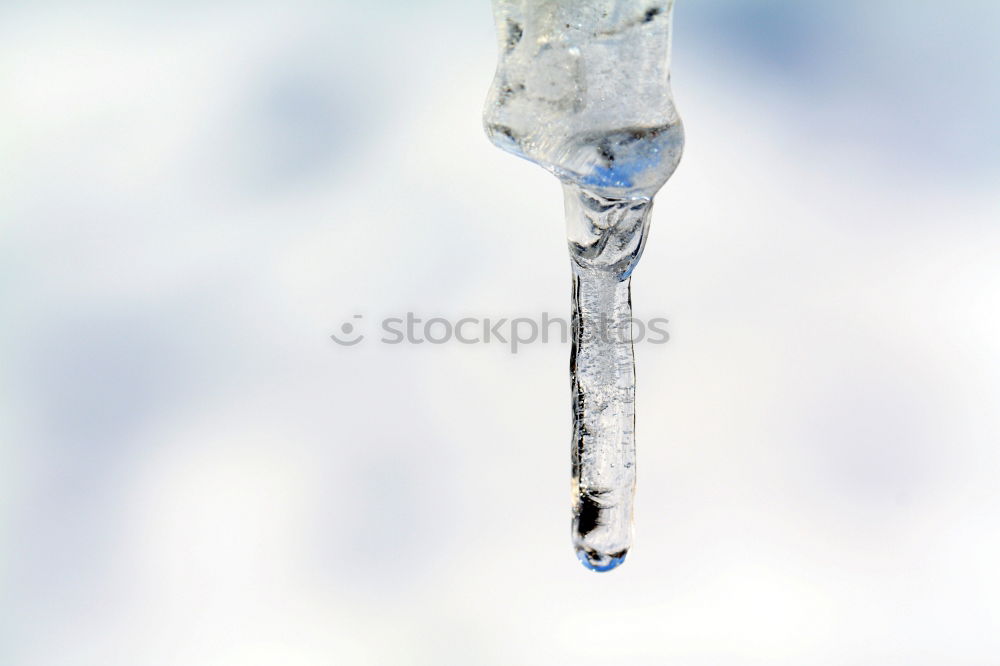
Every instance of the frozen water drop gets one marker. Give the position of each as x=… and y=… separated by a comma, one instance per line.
x=600, y=562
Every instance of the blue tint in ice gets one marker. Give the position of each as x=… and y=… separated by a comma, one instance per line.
x=600, y=566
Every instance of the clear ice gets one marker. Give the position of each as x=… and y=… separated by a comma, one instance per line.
x=582, y=88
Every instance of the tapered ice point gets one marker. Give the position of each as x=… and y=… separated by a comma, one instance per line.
x=582, y=88
x=600, y=562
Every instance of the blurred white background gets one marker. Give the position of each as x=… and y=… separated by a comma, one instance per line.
x=194, y=196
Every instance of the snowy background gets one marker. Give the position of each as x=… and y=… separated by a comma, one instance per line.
x=194, y=196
